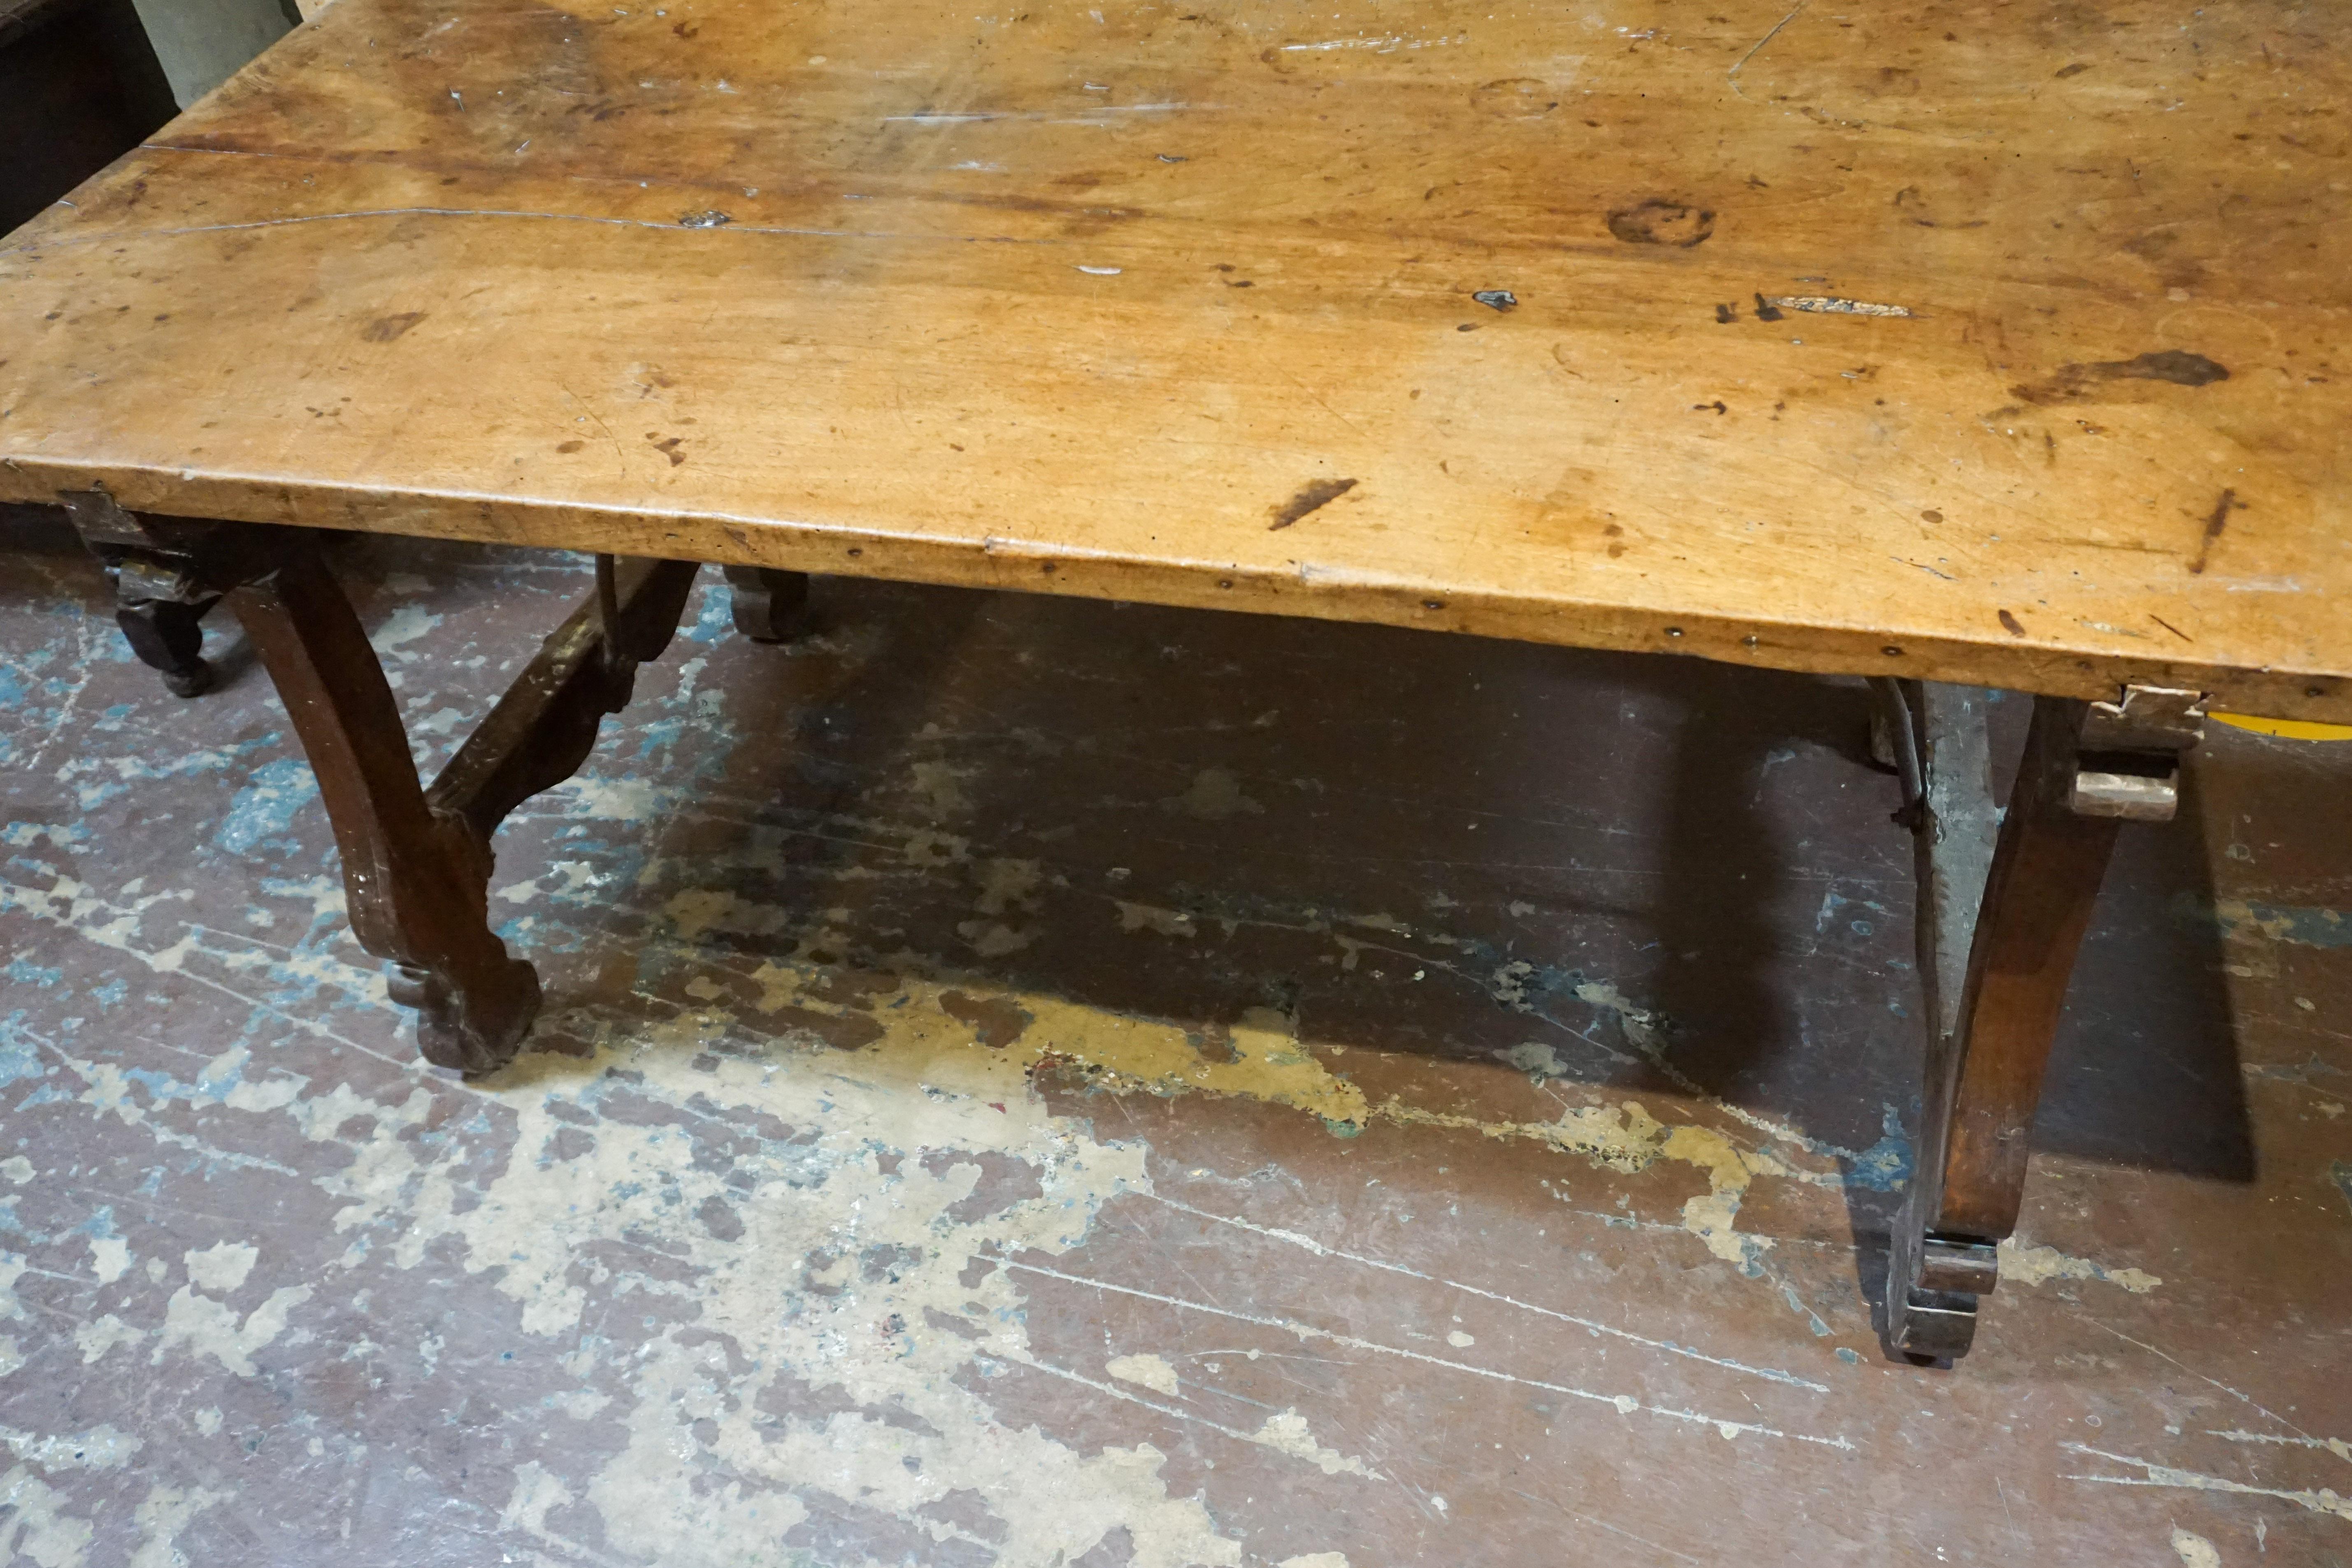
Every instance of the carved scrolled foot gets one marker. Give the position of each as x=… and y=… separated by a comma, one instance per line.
x=1933, y=1325
x=1933, y=1286
x=770, y=605
x=476, y=1028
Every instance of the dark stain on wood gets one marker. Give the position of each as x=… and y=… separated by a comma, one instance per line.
x=2009, y=623
x=842, y=1031
x=996, y=1021
x=383, y=329
x=2076, y=383
x=1315, y=493
x=2215, y=521
x=1659, y=221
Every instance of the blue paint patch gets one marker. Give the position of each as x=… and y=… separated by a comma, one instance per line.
x=715, y=618
x=1797, y=1305
x=1851, y=1358
x=63, y=835
x=2342, y=1171
x=24, y=972
x=111, y=994
x=267, y=807
x=2303, y=924
x=20, y=1054
x=1885, y=1165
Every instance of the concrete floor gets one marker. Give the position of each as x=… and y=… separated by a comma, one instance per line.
x=1044, y=1082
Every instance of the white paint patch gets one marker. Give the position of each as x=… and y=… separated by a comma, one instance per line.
x=223, y=1266
x=1460, y=1340
x=940, y=785
x=611, y=800
x=1316, y=1560
x=536, y=1490
x=1215, y=793
x=99, y=1448
x=2335, y=1445
x=2321, y=1499
x=1287, y=1434
x=403, y=626
x=2193, y=1550
x=18, y=1169
x=161, y=1515
x=34, y=1522
x=1149, y=917
x=101, y=1334
x=209, y=1328
x=2023, y=1263
x=1150, y=1371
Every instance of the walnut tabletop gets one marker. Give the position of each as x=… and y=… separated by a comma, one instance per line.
x=1987, y=343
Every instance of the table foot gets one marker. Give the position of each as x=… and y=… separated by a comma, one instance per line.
x=2004, y=899
x=771, y=604
x=475, y=1024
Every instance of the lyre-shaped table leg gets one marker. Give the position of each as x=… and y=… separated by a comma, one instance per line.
x=416, y=882
x=416, y=862
x=2019, y=921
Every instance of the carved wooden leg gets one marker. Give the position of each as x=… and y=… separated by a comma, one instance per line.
x=417, y=883
x=2086, y=769
x=770, y=605
x=416, y=865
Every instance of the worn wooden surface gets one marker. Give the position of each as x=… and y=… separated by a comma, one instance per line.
x=1179, y=304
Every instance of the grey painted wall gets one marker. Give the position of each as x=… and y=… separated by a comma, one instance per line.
x=202, y=43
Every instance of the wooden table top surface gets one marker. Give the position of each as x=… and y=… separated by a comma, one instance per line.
x=1975, y=342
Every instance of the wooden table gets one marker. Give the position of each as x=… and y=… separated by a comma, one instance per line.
x=1958, y=345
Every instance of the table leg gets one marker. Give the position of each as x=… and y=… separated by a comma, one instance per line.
x=417, y=880
x=771, y=604
x=416, y=862
x=2086, y=769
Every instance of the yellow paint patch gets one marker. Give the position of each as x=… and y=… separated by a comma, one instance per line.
x=2284, y=729
x=2022, y=1263
x=922, y=1043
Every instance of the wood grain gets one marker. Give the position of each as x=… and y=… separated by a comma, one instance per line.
x=1181, y=305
